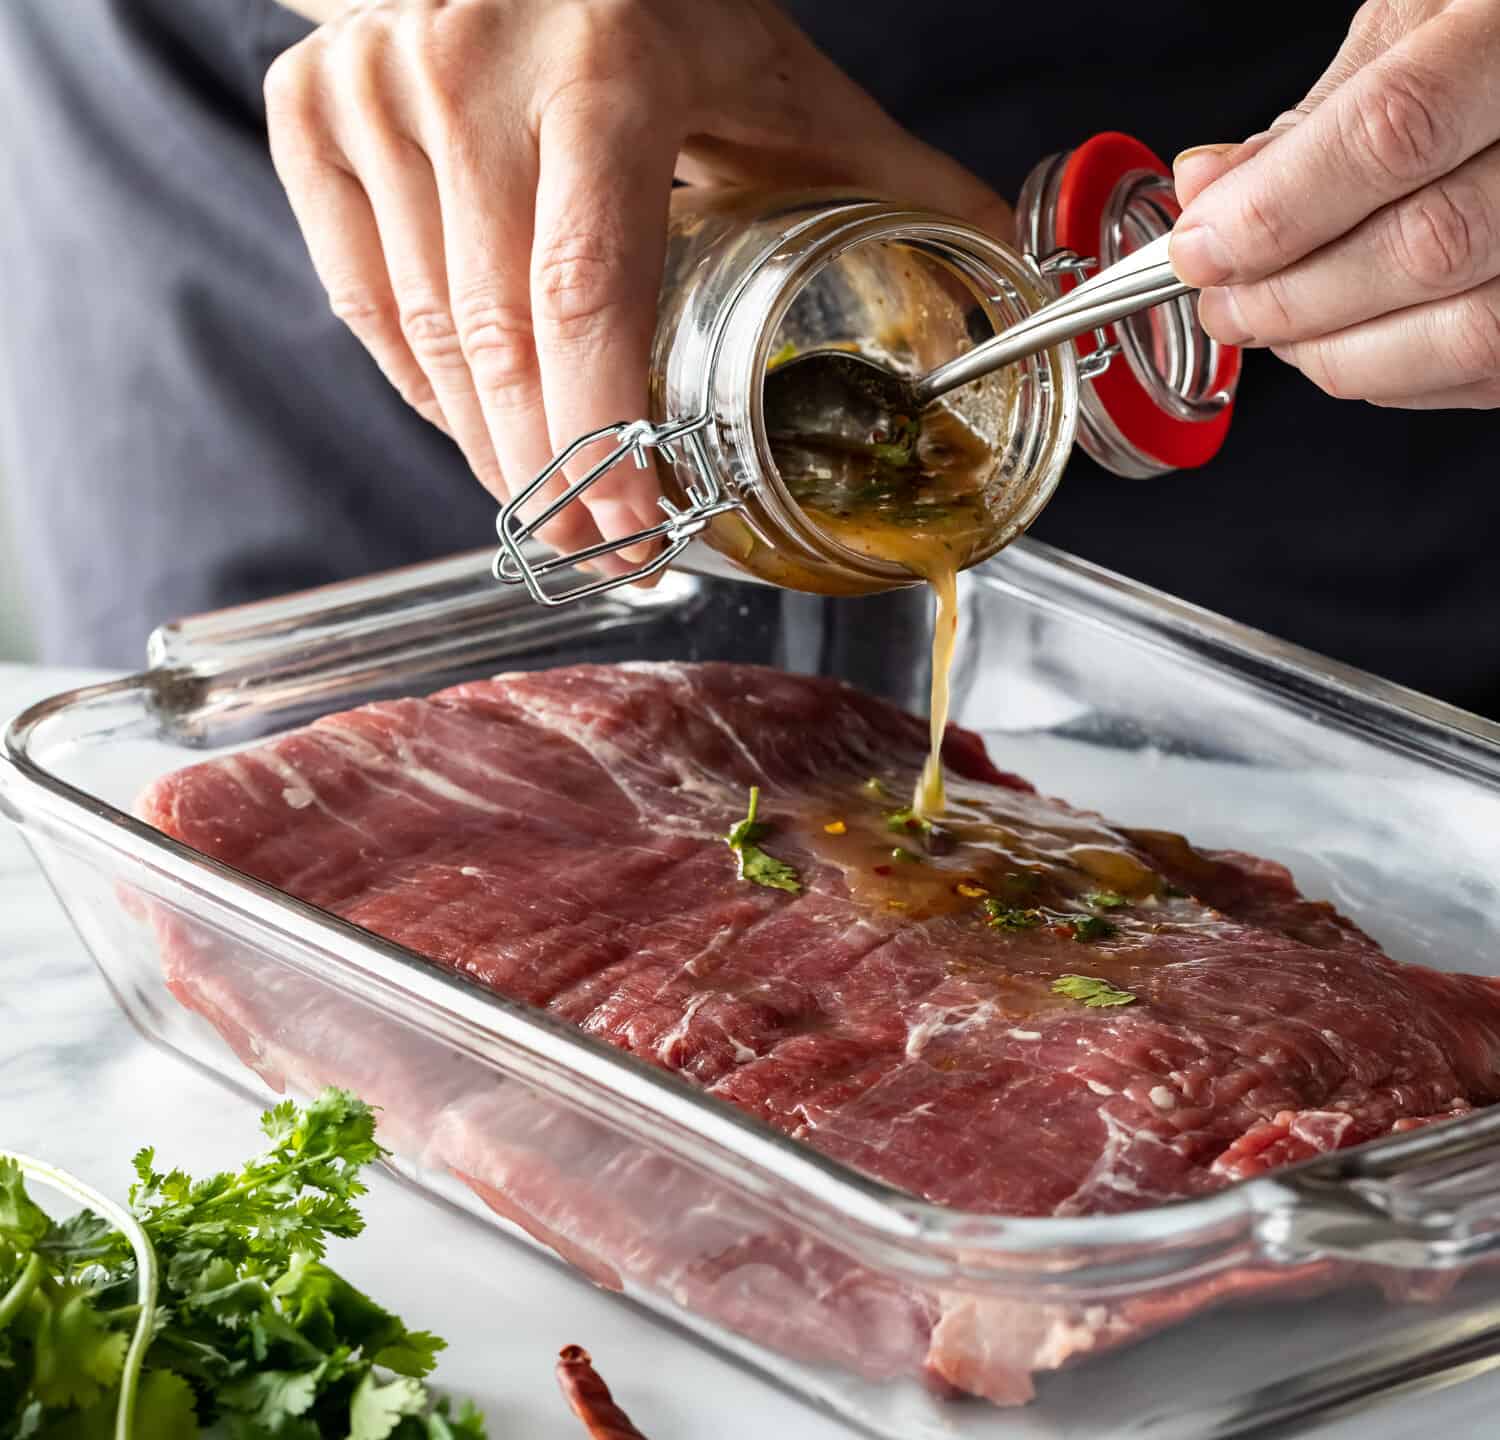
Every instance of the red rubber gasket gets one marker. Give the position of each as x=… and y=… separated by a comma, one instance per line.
x=1084, y=188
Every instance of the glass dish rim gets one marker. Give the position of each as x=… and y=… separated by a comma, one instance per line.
x=860, y=1214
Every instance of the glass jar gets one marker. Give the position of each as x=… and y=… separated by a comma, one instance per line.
x=751, y=277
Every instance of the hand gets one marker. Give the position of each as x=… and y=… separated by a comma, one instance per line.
x=1359, y=238
x=483, y=188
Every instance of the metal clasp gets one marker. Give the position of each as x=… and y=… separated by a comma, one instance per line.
x=706, y=494
x=706, y=499
x=1069, y=262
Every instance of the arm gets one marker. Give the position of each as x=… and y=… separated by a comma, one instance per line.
x=483, y=188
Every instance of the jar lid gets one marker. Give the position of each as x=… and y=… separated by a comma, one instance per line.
x=1165, y=400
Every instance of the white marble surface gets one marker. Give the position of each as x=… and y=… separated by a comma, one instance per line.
x=78, y=1086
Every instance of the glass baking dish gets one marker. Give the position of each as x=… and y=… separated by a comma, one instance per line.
x=1293, y=1294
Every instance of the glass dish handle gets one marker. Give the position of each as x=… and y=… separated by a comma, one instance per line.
x=1427, y=1200
x=380, y=617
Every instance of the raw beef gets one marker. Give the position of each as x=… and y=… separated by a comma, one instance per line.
x=558, y=837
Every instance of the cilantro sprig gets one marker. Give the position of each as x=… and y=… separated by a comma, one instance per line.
x=205, y=1308
x=754, y=864
x=1091, y=991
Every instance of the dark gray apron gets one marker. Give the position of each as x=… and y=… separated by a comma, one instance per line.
x=185, y=425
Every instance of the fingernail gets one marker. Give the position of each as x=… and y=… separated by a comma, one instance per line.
x=1219, y=314
x=1195, y=167
x=1199, y=257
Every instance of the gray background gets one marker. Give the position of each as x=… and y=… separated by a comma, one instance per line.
x=15, y=639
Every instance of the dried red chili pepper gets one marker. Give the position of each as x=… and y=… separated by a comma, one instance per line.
x=589, y=1397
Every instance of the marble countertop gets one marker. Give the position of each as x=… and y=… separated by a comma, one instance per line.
x=79, y=1086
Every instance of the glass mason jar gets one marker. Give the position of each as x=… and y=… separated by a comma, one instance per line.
x=751, y=277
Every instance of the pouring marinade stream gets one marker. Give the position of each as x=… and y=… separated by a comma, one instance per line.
x=916, y=498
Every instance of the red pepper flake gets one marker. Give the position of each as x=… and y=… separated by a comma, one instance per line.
x=589, y=1398
x=883, y=869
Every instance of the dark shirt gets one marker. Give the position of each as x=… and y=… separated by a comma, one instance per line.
x=1364, y=533
x=188, y=427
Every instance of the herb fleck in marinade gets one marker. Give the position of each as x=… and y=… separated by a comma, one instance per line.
x=1090, y=927
x=999, y=916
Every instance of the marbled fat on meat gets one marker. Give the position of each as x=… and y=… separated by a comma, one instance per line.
x=558, y=838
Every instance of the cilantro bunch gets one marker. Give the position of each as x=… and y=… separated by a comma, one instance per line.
x=206, y=1310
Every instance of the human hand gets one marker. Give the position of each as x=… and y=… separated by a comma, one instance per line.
x=1359, y=238
x=483, y=188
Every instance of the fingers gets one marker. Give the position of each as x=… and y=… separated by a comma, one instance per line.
x=1450, y=345
x=601, y=214
x=487, y=229
x=343, y=242
x=1480, y=395
x=1436, y=243
x=1401, y=121
x=404, y=198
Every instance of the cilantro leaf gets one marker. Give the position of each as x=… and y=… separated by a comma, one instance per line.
x=442, y=1424
x=1091, y=991
x=413, y=1353
x=77, y=1355
x=762, y=869
x=23, y=1223
x=95, y=1423
x=272, y=1397
x=164, y=1407
x=376, y=1410
x=754, y=864
x=78, y=1240
x=1105, y=900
